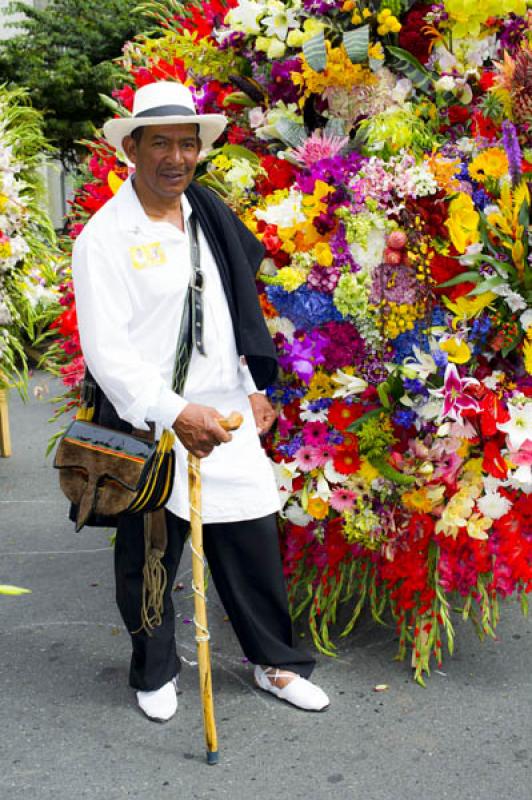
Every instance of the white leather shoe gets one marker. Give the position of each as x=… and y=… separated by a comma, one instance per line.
x=161, y=704
x=299, y=692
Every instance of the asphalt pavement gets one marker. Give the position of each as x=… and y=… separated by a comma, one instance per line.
x=69, y=726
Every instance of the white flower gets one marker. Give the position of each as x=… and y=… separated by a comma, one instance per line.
x=492, y=381
x=256, y=117
x=526, y=319
x=349, y=384
x=296, y=515
x=513, y=299
x=421, y=366
x=245, y=17
x=521, y=479
x=469, y=258
x=312, y=416
x=493, y=505
x=285, y=214
x=285, y=472
x=280, y=325
x=519, y=426
x=445, y=84
x=279, y=20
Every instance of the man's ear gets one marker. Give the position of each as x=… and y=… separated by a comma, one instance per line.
x=129, y=146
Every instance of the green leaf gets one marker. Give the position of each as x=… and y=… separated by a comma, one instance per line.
x=382, y=390
x=486, y=286
x=238, y=151
x=239, y=99
x=464, y=277
x=316, y=52
x=364, y=418
x=408, y=64
x=13, y=590
x=113, y=106
x=290, y=132
x=356, y=43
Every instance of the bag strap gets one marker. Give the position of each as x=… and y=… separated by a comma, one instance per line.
x=191, y=330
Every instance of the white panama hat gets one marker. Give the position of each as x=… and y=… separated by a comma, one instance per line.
x=164, y=103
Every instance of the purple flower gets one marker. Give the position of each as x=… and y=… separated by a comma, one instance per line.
x=302, y=356
x=281, y=86
x=513, y=151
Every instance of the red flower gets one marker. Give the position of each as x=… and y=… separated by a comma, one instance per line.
x=493, y=462
x=492, y=413
x=279, y=175
x=483, y=127
x=442, y=269
x=345, y=458
x=413, y=35
x=67, y=322
x=341, y=415
x=458, y=115
x=237, y=135
x=125, y=96
x=486, y=81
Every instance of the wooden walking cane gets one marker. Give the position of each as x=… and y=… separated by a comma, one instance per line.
x=198, y=584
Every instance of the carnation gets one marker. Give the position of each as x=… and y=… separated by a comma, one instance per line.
x=493, y=505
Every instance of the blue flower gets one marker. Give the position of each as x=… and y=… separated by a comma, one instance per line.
x=306, y=308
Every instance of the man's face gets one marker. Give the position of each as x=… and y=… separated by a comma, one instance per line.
x=165, y=158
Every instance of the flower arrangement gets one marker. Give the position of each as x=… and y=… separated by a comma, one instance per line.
x=381, y=154
x=27, y=266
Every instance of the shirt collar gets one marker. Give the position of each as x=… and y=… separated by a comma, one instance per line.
x=131, y=214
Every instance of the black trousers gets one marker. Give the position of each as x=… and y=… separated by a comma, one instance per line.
x=245, y=564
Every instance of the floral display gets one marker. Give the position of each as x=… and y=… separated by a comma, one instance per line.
x=381, y=153
x=28, y=297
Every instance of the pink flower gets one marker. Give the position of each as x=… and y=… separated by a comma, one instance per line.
x=315, y=433
x=455, y=399
x=307, y=458
x=318, y=146
x=342, y=499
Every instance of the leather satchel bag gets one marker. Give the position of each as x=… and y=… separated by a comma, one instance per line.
x=107, y=472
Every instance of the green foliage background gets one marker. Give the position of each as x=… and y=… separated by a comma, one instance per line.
x=64, y=56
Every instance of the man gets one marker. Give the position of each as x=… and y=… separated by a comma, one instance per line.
x=131, y=269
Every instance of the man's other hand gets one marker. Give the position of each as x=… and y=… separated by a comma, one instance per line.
x=198, y=429
x=263, y=411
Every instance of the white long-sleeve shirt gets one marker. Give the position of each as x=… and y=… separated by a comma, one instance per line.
x=130, y=279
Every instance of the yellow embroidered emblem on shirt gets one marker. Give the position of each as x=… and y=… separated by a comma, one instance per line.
x=147, y=255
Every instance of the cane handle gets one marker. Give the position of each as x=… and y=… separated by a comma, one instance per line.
x=232, y=422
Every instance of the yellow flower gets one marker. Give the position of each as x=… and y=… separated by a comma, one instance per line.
x=457, y=351
x=317, y=507
x=463, y=222
x=527, y=352
x=424, y=499
x=375, y=51
x=491, y=163
x=321, y=385
x=324, y=255
x=221, y=162
x=478, y=525
x=340, y=71
x=367, y=471
x=290, y=278
x=5, y=249
x=4, y=199
x=465, y=308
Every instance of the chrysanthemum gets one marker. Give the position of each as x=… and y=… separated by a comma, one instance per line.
x=319, y=146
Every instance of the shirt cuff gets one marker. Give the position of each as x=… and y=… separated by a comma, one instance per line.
x=169, y=406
